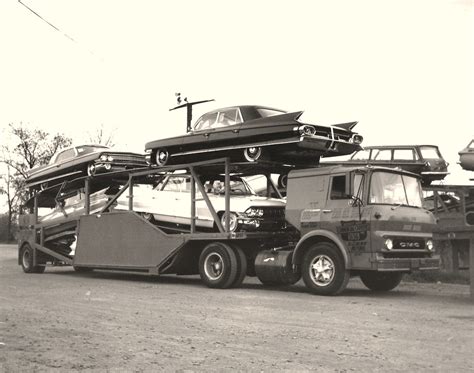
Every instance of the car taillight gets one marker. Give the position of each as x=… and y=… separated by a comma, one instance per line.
x=307, y=130
x=357, y=139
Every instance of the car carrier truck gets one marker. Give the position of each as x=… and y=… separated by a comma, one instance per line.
x=342, y=221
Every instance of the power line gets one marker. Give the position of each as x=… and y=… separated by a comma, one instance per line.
x=54, y=27
x=49, y=23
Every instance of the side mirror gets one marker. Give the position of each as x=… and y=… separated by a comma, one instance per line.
x=355, y=201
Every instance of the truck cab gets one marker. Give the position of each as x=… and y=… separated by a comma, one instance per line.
x=360, y=220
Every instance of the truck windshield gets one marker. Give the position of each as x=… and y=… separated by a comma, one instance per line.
x=394, y=189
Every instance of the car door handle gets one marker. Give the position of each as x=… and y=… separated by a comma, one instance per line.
x=206, y=135
x=326, y=211
x=235, y=131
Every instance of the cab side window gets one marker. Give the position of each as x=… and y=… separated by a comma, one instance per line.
x=338, y=187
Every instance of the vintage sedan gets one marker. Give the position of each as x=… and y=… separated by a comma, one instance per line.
x=84, y=160
x=466, y=157
x=169, y=205
x=424, y=160
x=252, y=133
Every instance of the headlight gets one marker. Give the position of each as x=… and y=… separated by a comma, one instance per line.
x=357, y=139
x=389, y=244
x=252, y=212
x=429, y=245
x=307, y=130
x=110, y=158
x=103, y=157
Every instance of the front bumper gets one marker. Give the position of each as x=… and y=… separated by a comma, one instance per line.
x=405, y=264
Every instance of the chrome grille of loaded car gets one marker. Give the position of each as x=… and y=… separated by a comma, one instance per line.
x=128, y=158
x=273, y=213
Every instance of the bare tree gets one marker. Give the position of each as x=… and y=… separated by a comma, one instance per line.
x=102, y=136
x=25, y=148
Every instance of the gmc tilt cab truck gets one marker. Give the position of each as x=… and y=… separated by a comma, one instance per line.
x=341, y=222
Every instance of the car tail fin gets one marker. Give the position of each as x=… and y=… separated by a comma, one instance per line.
x=346, y=126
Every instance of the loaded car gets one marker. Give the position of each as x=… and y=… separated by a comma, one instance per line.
x=466, y=157
x=251, y=133
x=84, y=160
x=424, y=160
x=168, y=204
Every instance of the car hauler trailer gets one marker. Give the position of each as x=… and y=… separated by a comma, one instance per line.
x=344, y=221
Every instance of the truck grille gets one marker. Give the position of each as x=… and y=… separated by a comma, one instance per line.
x=408, y=244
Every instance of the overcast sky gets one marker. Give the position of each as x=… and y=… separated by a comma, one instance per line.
x=403, y=69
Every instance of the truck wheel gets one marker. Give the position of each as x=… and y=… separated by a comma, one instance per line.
x=381, y=281
x=218, y=265
x=241, y=267
x=27, y=261
x=323, y=270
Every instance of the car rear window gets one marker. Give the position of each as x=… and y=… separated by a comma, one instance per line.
x=265, y=113
x=430, y=152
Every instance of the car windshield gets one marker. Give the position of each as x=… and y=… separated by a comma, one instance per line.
x=86, y=149
x=237, y=187
x=430, y=152
x=265, y=112
x=394, y=189
x=361, y=155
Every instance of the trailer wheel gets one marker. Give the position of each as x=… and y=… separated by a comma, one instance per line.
x=381, y=281
x=323, y=270
x=27, y=261
x=218, y=265
x=241, y=267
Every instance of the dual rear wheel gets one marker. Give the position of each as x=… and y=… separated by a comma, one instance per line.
x=222, y=266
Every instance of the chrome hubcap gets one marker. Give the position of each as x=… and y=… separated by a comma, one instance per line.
x=322, y=270
x=162, y=157
x=91, y=170
x=26, y=259
x=214, y=266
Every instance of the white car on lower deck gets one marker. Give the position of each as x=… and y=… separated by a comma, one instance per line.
x=169, y=202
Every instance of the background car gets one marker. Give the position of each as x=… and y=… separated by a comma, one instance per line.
x=169, y=203
x=84, y=160
x=424, y=160
x=466, y=157
x=251, y=133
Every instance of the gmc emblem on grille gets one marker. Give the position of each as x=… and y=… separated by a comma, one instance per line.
x=410, y=245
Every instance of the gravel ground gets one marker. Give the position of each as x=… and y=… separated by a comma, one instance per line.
x=67, y=321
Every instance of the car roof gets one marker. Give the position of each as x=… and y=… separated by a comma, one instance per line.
x=397, y=146
x=328, y=170
x=243, y=107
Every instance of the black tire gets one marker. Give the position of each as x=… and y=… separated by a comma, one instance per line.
x=331, y=277
x=83, y=269
x=254, y=154
x=381, y=281
x=26, y=258
x=283, y=180
x=241, y=267
x=91, y=169
x=161, y=157
x=218, y=265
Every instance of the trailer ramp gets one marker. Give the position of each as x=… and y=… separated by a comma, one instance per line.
x=123, y=240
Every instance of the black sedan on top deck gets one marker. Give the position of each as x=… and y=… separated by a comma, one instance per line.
x=83, y=160
x=252, y=133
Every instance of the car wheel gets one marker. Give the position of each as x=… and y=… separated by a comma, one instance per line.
x=27, y=261
x=323, y=270
x=233, y=223
x=161, y=157
x=218, y=265
x=91, y=169
x=283, y=181
x=254, y=154
x=380, y=281
x=44, y=185
x=147, y=216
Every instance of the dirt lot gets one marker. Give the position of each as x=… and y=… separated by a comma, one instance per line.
x=62, y=320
